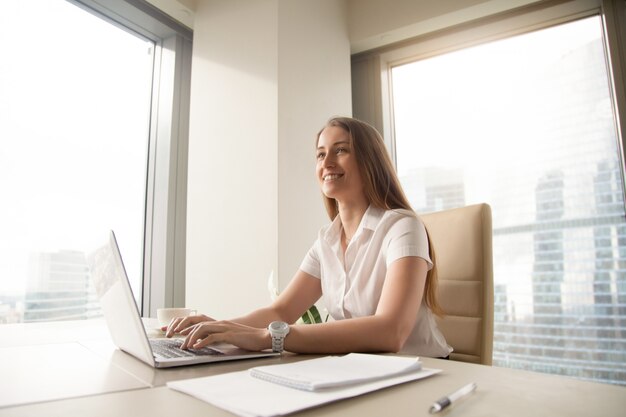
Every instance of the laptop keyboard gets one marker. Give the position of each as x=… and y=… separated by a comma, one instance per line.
x=170, y=348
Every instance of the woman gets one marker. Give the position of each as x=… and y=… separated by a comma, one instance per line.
x=372, y=264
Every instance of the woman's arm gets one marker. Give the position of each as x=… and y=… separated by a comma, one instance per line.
x=385, y=331
x=301, y=293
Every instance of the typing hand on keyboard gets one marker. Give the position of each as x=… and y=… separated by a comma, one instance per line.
x=170, y=348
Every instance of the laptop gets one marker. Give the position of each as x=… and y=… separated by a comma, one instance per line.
x=126, y=327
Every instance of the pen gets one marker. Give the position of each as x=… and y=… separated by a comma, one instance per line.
x=444, y=402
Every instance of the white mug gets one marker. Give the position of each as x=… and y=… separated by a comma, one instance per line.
x=165, y=315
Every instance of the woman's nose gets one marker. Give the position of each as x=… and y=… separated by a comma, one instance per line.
x=328, y=161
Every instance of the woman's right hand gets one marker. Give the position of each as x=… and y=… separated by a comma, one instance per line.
x=178, y=324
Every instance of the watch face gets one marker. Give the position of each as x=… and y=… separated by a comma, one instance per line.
x=279, y=327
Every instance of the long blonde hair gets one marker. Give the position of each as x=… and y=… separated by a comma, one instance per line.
x=381, y=185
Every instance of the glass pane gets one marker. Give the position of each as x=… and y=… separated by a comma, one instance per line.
x=526, y=125
x=74, y=126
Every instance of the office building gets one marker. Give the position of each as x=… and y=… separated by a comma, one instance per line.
x=59, y=288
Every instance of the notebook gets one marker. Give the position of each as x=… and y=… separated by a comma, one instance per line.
x=337, y=371
x=124, y=320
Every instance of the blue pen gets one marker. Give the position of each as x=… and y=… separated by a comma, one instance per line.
x=444, y=402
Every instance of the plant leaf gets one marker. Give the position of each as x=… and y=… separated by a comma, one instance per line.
x=312, y=315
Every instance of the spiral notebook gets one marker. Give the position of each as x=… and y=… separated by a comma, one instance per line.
x=336, y=371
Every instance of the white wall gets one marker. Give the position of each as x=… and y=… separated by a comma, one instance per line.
x=314, y=84
x=266, y=74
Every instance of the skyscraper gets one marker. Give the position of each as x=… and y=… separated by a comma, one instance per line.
x=59, y=288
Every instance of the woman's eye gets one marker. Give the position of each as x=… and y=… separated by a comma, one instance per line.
x=341, y=150
x=320, y=155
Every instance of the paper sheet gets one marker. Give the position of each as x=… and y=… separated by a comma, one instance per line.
x=242, y=394
x=336, y=371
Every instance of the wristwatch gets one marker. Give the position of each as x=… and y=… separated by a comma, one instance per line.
x=278, y=331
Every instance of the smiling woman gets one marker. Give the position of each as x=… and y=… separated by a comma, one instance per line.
x=75, y=131
x=373, y=264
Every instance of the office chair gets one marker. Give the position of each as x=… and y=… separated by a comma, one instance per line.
x=461, y=238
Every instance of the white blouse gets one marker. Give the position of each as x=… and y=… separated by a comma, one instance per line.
x=352, y=286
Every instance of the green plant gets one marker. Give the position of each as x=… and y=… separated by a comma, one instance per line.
x=312, y=315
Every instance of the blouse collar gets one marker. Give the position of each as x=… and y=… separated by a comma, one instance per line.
x=371, y=219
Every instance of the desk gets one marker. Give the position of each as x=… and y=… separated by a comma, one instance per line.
x=500, y=392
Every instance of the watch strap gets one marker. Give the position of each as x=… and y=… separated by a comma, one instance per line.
x=278, y=343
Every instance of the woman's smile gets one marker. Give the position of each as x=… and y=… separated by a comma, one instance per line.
x=331, y=177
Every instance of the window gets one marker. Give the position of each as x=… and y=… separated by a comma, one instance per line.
x=81, y=113
x=519, y=110
x=526, y=124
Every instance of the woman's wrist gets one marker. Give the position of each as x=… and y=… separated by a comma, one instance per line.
x=267, y=339
x=278, y=331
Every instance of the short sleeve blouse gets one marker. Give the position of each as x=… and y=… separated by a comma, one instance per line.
x=352, y=284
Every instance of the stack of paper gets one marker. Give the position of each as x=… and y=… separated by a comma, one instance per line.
x=330, y=378
x=336, y=371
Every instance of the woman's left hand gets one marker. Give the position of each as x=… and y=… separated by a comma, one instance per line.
x=209, y=332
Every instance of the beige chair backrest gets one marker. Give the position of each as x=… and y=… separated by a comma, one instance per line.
x=463, y=252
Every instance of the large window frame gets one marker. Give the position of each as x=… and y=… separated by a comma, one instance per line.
x=371, y=70
x=166, y=194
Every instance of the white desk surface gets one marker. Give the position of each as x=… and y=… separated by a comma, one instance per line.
x=132, y=388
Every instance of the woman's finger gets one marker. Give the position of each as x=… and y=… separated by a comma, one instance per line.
x=202, y=331
x=171, y=328
x=194, y=333
x=207, y=340
x=207, y=333
x=182, y=324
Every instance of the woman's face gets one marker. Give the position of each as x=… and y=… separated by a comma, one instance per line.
x=337, y=170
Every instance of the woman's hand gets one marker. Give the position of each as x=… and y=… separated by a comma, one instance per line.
x=179, y=324
x=209, y=332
